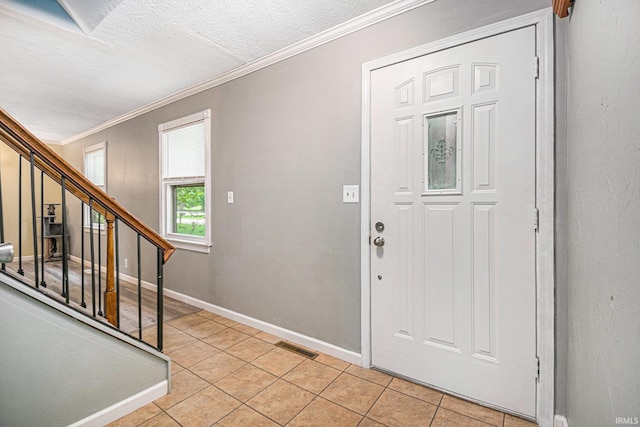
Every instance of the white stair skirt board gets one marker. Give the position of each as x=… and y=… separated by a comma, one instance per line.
x=125, y=407
x=560, y=421
x=285, y=334
x=96, y=324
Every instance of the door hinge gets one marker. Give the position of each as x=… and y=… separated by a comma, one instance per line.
x=536, y=67
x=536, y=219
x=369, y=240
x=537, y=367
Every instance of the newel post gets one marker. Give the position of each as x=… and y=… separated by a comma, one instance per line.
x=110, y=296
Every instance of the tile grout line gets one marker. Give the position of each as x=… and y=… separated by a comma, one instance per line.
x=252, y=409
x=374, y=404
x=281, y=377
x=318, y=395
x=437, y=409
x=177, y=422
x=315, y=396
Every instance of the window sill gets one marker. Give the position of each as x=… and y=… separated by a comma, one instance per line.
x=189, y=245
x=101, y=230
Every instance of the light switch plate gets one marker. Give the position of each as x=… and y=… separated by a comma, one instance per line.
x=351, y=194
x=230, y=197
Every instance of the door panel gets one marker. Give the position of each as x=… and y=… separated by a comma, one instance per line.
x=453, y=180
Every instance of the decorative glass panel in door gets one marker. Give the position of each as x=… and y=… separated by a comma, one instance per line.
x=442, y=153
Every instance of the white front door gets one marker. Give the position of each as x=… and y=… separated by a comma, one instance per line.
x=453, y=286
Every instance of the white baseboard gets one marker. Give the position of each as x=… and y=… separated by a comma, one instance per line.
x=87, y=263
x=560, y=421
x=24, y=258
x=124, y=407
x=125, y=277
x=286, y=334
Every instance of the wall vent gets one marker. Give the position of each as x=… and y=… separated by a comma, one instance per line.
x=298, y=350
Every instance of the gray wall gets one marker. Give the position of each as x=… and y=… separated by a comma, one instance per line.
x=55, y=371
x=285, y=140
x=603, y=48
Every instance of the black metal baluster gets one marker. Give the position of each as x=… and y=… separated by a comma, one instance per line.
x=139, y=291
x=43, y=283
x=83, y=304
x=100, y=313
x=20, y=270
x=65, y=261
x=4, y=266
x=117, y=238
x=160, y=309
x=93, y=265
x=34, y=219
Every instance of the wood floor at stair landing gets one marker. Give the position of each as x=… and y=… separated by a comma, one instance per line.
x=128, y=294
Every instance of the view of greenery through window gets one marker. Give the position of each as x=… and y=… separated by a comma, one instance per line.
x=189, y=203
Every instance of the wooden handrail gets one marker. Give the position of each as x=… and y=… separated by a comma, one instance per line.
x=25, y=143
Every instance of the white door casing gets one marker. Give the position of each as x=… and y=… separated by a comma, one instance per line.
x=461, y=234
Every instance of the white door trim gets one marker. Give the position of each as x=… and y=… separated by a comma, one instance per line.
x=545, y=265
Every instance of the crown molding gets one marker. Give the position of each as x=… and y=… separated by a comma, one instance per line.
x=382, y=13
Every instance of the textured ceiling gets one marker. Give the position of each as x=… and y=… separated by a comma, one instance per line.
x=60, y=81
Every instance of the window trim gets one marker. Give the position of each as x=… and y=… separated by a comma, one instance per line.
x=183, y=241
x=96, y=147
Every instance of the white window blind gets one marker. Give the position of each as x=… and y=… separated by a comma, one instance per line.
x=94, y=166
x=185, y=151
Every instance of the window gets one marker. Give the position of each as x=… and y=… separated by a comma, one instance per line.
x=95, y=168
x=185, y=185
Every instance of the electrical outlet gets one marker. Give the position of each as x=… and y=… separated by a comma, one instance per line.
x=126, y=263
x=230, y=197
x=350, y=194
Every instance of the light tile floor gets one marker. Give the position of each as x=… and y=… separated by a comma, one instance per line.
x=228, y=374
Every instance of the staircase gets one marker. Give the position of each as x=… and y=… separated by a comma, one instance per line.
x=37, y=167
x=83, y=284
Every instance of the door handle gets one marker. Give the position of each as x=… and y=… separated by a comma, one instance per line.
x=378, y=241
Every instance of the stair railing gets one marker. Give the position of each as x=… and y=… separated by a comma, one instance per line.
x=110, y=217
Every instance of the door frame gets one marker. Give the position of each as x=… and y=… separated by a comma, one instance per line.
x=545, y=264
